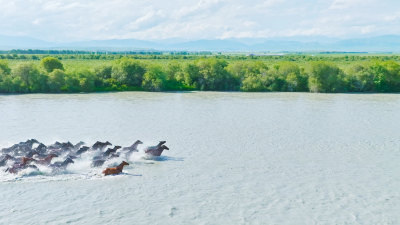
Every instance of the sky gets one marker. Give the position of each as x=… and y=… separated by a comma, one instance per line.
x=73, y=20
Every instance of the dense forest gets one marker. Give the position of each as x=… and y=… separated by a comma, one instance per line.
x=70, y=73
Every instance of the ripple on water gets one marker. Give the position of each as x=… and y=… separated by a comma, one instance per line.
x=236, y=158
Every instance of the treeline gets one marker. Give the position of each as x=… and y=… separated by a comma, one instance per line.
x=101, y=56
x=205, y=74
x=101, y=52
x=96, y=56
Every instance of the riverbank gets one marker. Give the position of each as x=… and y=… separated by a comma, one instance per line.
x=344, y=74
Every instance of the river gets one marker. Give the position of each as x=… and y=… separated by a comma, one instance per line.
x=234, y=158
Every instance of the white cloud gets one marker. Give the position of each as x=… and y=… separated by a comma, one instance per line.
x=345, y=4
x=392, y=17
x=269, y=3
x=67, y=20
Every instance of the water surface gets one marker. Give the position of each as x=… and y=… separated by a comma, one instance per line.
x=235, y=158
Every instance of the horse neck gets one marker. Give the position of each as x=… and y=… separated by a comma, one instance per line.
x=48, y=158
x=25, y=160
x=66, y=162
x=120, y=166
x=134, y=145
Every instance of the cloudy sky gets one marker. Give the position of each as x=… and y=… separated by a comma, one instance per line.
x=73, y=20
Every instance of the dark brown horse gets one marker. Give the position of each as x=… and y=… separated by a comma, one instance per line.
x=22, y=165
x=18, y=167
x=26, y=160
x=46, y=161
x=156, y=150
x=4, y=159
x=115, y=170
x=111, y=150
x=100, y=145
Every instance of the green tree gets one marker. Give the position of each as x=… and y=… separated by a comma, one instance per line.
x=72, y=83
x=154, y=79
x=238, y=69
x=175, y=77
x=18, y=85
x=86, y=80
x=254, y=82
x=360, y=78
x=56, y=80
x=7, y=85
x=191, y=75
x=214, y=76
x=292, y=76
x=248, y=74
x=4, y=68
x=39, y=83
x=325, y=77
x=103, y=72
x=392, y=75
x=128, y=71
x=173, y=70
x=30, y=78
x=50, y=63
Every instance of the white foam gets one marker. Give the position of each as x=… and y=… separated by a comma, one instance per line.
x=80, y=169
x=236, y=158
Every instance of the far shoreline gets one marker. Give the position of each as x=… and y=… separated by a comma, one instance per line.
x=198, y=91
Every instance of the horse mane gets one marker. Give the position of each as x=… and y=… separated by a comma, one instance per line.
x=49, y=157
x=25, y=160
x=121, y=165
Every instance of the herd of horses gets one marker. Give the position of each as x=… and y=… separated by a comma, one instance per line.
x=32, y=153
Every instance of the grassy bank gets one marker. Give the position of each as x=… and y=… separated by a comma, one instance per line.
x=29, y=73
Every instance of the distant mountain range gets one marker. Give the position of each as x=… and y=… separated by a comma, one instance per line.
x=387, y=43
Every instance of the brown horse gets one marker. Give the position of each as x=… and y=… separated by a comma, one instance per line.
x=26, y=160
x=46, y=161
x=115, y=170
x=20, y=166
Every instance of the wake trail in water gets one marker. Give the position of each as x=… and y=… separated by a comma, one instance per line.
x=26, y=161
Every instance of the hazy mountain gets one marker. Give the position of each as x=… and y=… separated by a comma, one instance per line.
x=114, y=43
x=210, y=45
x=9, y=42
x=388, y=43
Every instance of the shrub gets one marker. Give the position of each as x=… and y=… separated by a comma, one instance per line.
x=51, y=63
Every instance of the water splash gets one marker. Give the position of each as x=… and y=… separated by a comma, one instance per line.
x=82, y=167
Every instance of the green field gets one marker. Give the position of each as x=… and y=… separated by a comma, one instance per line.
x=329, y=73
